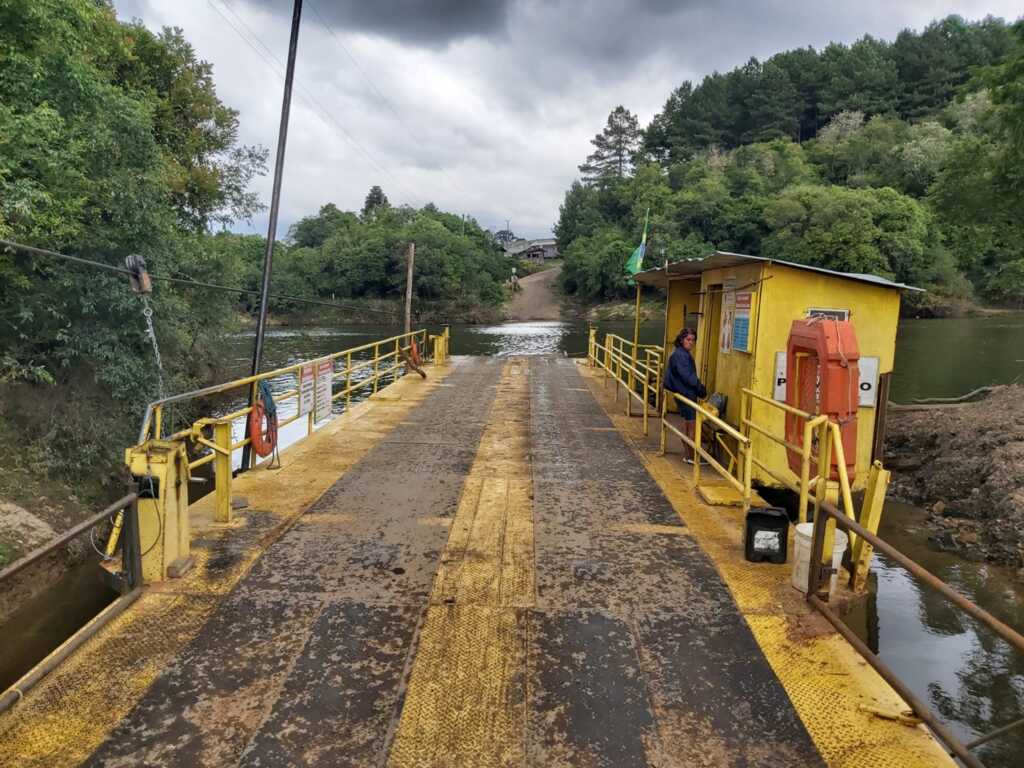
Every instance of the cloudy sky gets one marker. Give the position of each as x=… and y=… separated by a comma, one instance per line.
x=484, y=107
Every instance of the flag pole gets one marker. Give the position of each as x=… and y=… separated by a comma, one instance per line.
x=636, y=307
x=636, y=324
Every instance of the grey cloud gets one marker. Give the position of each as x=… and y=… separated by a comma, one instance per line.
x=498, y=101
x=429, y=23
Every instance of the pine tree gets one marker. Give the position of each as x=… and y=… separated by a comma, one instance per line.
x=375, y=199
x=614, y=148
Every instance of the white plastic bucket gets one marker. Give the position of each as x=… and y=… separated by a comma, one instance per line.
x=802, y=554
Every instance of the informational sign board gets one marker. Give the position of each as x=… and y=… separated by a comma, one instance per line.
x=725, y=331
x=307, y=388
x=868, y=382
x=728, y=314
x=741, y=321
x=779, y=382
x=867, y=387
x=324, y=370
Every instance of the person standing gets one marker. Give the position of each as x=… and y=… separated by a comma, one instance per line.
x=681, y=378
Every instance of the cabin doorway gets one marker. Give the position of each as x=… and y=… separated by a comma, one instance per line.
x=712, y=318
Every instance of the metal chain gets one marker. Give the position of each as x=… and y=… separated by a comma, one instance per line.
x=147, y=312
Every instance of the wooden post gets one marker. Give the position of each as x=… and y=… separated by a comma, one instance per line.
x=408, y=286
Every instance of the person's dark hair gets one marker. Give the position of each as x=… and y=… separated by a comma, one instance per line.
x=683, y=334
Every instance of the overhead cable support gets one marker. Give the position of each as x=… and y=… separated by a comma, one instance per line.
x=30, y=249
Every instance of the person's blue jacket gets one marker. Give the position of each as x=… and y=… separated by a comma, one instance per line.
x=681, y=377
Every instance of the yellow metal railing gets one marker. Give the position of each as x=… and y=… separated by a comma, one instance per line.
x=743, y=458
x=638, y=374
x=359, y=368
x=824, y=435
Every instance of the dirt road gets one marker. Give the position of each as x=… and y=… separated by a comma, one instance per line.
x=539, y=298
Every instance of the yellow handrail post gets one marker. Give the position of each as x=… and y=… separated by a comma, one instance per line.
x=821, y=494
x=844, y=478
x=870, y=517
x=748, y=470
x=695, y=448
x=643, y=392
x=158, y=421
x=608, y=351
x=805, y=471
x=591, y=341
x=664, y=430
x=447, y=341
x=348, y=381
x=376, y=362
x=222, y=471
x=616, y=373
x=631, y=380
x=398, y=356
x=745, y=415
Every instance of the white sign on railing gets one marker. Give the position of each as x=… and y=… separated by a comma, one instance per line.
x=307, y=388
x=324, y=370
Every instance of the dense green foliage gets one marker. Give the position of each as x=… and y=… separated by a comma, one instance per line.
x=901, y=159
x=113, y=142
x=341, y=255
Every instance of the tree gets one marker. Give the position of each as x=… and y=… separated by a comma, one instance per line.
x=114, y=142
x=614, y=148
x=504, y=236
x=375, y=199
x=313, y=231
x=874, y=231
x=861, y=77
x=932, y=65
x=209, y=172
x=578, y=215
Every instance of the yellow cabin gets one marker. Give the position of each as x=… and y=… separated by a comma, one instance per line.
x=743, y=309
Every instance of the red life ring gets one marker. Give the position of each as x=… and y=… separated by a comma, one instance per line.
x=262, y=444
x=416, y=355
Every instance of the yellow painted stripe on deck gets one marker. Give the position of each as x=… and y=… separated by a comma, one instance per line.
x=466, y=702
x=72, y=710
x=825, y=678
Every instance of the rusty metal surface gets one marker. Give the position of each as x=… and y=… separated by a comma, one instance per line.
x=638, y=655
x=301, y=663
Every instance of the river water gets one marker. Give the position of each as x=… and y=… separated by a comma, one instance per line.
x=972, y=680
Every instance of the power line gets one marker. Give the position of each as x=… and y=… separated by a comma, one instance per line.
x=387, y=102
x=306, y=94
x=30, y=249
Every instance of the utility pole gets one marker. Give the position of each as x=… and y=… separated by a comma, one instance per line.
x=410, y=258
x=275, y=203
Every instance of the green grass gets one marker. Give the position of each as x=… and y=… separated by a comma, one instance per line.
x=6, y=554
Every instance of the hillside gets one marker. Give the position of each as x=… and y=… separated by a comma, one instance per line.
x=895, y=158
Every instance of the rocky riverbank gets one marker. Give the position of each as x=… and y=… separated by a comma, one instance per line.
x=964, y=463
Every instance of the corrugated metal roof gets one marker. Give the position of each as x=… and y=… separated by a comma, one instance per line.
x=724, y=259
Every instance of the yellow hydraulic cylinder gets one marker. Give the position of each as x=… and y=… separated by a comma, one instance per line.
x=161, y=469
x=115, y=534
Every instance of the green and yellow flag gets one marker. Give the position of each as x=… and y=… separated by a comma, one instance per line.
x=636, y=261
